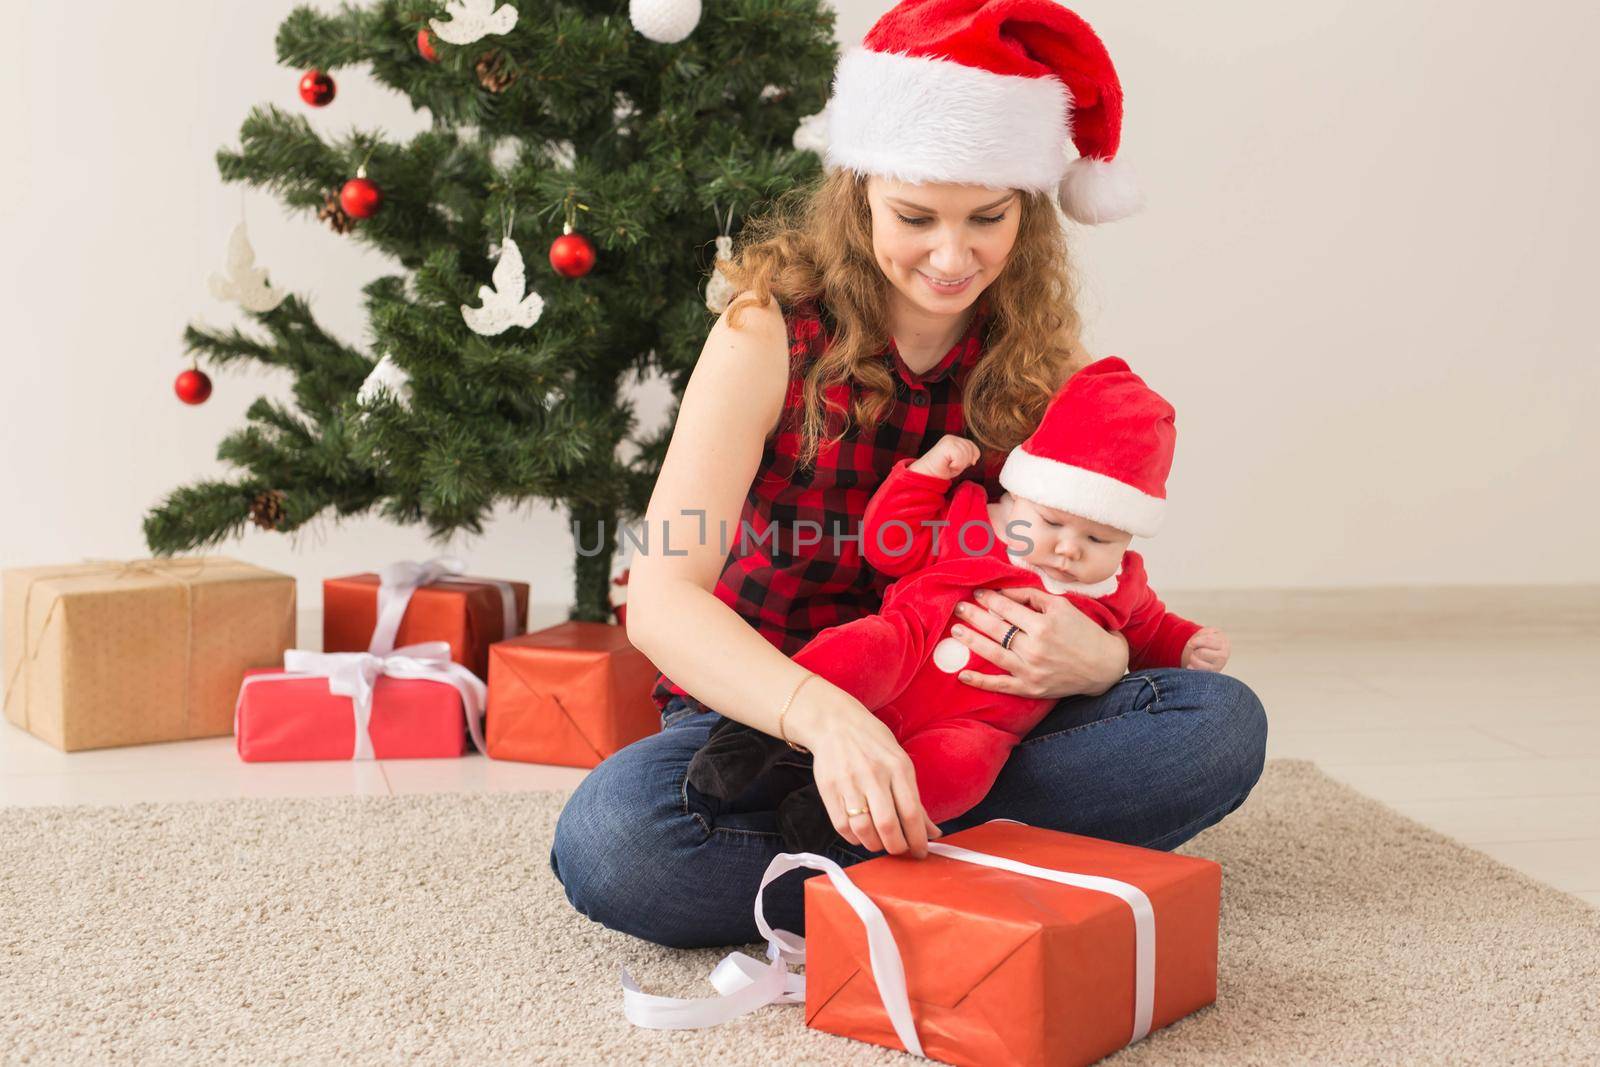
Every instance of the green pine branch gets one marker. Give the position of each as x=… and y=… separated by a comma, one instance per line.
x=532, y=415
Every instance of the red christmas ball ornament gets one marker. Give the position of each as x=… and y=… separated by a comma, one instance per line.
x=192, y=386
x=572, y=255
x=425, y=46
x=360, y=196
x=316, y=88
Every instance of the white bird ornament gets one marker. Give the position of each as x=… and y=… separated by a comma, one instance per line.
x=245, y=283
x=504, y=304
x=472, y=20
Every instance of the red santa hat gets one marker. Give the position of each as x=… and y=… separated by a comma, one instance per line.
x=985, y=92
x=1102, y=450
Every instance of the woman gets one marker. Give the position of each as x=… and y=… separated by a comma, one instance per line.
x=921, y=287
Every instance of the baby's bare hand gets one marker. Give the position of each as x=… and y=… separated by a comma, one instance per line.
x=1207, y=650
x=948, y=458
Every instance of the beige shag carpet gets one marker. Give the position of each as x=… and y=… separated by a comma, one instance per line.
x=429, y=929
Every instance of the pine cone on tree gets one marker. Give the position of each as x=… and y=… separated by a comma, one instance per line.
x=493, y=72
x=335, y=216
x=266, y=510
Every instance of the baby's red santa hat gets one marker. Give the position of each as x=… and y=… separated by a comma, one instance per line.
x=985, y=92
x=1103, y=450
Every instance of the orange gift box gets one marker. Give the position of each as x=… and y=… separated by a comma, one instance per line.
x=1006, y=967
x=571, y=694
x=468, y=613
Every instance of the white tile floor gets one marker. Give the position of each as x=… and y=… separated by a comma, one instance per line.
x=1494, y=740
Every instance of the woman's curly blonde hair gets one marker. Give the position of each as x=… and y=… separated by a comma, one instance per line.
x=816, y=243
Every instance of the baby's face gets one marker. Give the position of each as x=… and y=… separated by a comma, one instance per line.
x=1065, y=546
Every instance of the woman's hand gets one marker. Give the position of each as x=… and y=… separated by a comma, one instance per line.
x=1059, y=652
x=858, y=763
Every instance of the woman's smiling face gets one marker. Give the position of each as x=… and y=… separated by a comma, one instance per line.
x=927, y=233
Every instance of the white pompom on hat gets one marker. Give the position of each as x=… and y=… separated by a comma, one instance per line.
x=985, y=92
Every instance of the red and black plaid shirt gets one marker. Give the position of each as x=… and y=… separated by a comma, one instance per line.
x=799, y=567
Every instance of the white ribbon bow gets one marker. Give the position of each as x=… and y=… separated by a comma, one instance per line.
x=398, y=581
x=746, y=984
x=355, y=675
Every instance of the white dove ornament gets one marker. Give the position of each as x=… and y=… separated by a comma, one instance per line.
x=245, y=283
x=389, y=377
x=472, y=20
x=505, y=305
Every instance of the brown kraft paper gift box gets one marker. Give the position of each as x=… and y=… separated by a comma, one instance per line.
x=107, y=653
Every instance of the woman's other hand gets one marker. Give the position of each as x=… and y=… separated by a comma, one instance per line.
x=858, y=763
x=1059, y=651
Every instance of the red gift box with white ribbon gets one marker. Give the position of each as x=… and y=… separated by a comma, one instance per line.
x=411, y=602
x=1007, y=944
x=412, y=703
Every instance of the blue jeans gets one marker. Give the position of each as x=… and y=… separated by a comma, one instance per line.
x=1157, y=758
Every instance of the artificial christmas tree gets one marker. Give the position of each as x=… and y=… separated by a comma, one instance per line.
x=576, y=109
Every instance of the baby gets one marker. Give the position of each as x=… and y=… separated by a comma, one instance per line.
x=1090, y=478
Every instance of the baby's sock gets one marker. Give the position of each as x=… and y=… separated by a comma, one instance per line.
x=732, y=758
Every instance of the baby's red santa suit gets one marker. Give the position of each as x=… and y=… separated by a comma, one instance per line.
x=1102, y=451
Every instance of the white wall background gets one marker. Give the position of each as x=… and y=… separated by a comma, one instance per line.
x=1364, y=280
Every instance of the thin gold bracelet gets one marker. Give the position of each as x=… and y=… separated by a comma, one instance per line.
x=785, y=710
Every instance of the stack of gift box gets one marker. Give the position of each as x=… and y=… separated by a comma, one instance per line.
x=418, y=660
x=1009, y=943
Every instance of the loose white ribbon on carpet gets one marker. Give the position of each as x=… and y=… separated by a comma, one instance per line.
x=398, y=581
x=355, y=674
x=746, y=984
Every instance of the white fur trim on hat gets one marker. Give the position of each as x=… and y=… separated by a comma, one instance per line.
x=1083, y=492
x=1099, y=190
x=921, y=119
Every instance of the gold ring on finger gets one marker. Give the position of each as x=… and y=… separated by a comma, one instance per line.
x=1011, y=634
